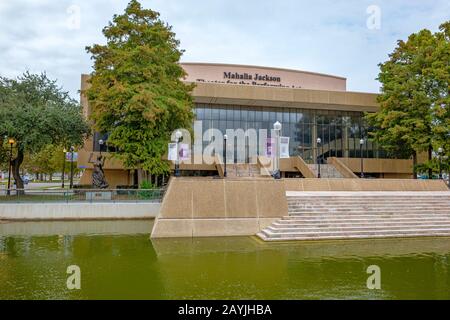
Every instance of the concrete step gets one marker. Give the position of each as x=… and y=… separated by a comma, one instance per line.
x=326, y=224
x=371, y=203
x=367, y=233
x=373, y=212
x=350, y=237
x=393, y=217
x=345, y=229
x=362, y=215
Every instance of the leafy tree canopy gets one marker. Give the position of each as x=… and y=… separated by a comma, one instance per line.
x=35, y=112
x=414, y=100
x=136, y=92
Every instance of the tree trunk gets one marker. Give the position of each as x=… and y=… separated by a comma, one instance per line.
x=16, y=163
x=415, y=165
x=430, y=158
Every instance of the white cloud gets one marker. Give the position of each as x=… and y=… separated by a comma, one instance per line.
x=323, y=36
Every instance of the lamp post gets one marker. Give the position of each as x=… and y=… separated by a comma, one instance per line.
x=178, y=136
x=101, y=143
x=440, y=152
x=64, y=167
x=225, y=140
x=319, y=142
x=277, y=128
x=11, y=142
x=72, y=149
x=361, y=144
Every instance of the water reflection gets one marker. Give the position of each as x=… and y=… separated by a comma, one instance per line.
x=128, y=265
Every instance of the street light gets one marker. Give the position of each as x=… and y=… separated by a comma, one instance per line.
x=440, y=152
x=361, y=144
x=11, y=142
x=178, y=136
x=72, y=149
x=64, y=167
x=319, y=142
x=225, y=139
x=277, y=128
x=101, y=143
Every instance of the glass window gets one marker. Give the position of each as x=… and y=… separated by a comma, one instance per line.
x=251, y=115
x=223, y=114
x=244, y=114
x=279, y=117
x=237, y=114
x=230, y=114
x=207, y=113
x=215, y=114
x=286, y=116
x=293, y=116
x=200, y=113
x=265, y=115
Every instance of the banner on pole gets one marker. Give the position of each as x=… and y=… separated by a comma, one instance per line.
x=185, y=152
x=69, y=156
x=284, y=147
x=270, y=147
x=172, y=155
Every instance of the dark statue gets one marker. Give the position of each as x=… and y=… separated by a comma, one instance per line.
x=98, y=175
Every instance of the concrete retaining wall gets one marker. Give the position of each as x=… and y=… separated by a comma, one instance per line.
x=205, y=207
x=78, y=211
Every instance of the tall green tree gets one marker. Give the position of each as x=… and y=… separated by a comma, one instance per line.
x=36, y=112
x=414, y=97
x=136, y=93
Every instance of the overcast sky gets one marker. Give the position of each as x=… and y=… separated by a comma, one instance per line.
x=341, y=37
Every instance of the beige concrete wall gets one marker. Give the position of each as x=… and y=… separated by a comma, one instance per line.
x=385, y=166
x=78, y=211
x=208, y=207
x=283, y=97
x=75, y=228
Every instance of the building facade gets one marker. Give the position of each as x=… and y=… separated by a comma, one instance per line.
x=308, y=105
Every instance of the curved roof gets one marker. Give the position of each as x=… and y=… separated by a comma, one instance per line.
x=262, y=76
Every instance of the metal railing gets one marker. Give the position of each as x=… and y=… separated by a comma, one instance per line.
x=83, y=195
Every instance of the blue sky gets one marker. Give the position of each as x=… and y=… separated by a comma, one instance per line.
x=324, y=36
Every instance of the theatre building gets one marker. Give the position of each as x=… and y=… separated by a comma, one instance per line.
x=310, y=106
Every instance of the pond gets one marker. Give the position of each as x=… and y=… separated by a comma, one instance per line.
x=117, y=260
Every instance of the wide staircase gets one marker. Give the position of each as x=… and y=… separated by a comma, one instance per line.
x=327, y=171
x=359, y=215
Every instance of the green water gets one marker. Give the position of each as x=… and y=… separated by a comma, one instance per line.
x=118, y=261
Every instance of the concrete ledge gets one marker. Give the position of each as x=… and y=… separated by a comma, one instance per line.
x=77, y=211
x=75, y=228
x=187, y=228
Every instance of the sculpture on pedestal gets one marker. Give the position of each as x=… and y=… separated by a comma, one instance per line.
x=98, y=175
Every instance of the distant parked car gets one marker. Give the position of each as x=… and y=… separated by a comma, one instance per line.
x=25, y=179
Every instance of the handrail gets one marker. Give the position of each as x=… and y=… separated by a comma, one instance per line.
x=80, y=195
x=219, y=165
x=303, y=167
x=265, y=165
x=342, y=168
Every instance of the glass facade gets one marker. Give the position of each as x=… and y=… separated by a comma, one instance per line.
x=340, y=131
